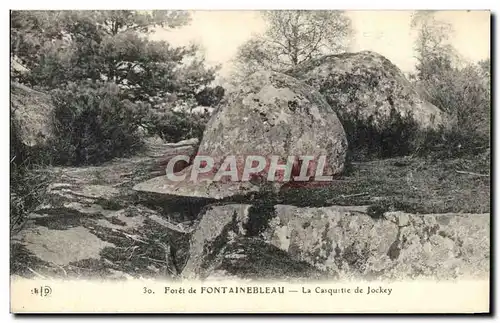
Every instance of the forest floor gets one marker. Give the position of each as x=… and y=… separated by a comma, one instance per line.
x=94, y=223
x=411, y=184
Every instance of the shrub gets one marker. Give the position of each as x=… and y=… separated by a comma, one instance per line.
x=28, y=186
x=454, y=142
x=463, y=93
x=173, y=126
x=466, y=95
x=27, y=182
x=378, y=136
x=95, y=123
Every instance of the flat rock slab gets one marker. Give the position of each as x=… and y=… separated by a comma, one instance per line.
x=63, y=246
x=347, y=243
x=91, y=242
x=208, y=189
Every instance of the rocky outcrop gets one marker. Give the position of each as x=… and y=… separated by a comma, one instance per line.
x=271, y=115
x=222, y=246
x=93, y=224
x=367, y=85
x=125, y=219
x=345, y=242
x=31, y=115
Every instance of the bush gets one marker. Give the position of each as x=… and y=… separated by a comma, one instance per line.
x=95, y=123
x=466, y=95
x=453, y=142
x=28, y=186
x=462, y=93
x=379, y=137
x=173, y=126
x=27, y=183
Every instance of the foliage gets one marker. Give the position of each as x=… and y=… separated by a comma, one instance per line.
x=173, y=126
x=210, y=97
x=453, y=142
x=466, y=95
x=109, y=80
x=32, y=30
x=464, y=92
x=432, y=44
x=27, y=192
x=95, y=123
x=380, y=136
x=293, y=37
x=27, y=181
x=108, y=46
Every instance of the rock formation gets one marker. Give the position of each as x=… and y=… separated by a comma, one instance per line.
x=31, y=114
x=343, y=242
x=93, y=224
x=271, y=114
x=116, y=221
x=368, y=85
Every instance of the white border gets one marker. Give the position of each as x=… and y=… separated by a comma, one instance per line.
x=257, y=4
x=201, y=5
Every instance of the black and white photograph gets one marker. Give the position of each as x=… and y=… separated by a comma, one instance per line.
x=232, y=153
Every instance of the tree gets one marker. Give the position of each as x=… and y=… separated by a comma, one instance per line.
x=210, y=97
x=454, y=85
x=110, y=84
x=31, y=29
x=434, y=53
x=293, y=37
x=108, y=46
x=485, y=68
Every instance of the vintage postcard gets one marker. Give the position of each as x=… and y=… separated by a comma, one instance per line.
x=250, y=161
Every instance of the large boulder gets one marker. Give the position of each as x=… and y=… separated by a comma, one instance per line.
x=368, y=85
x=272, y=114
x=344, y=241
x=223, y=246
x=31, y=115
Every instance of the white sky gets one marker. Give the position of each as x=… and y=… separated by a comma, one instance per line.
x=386, y=32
